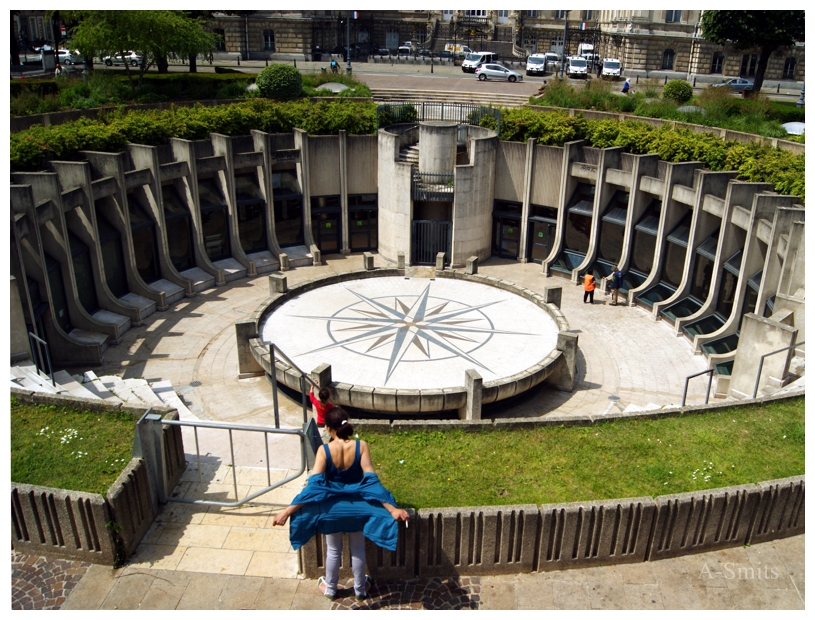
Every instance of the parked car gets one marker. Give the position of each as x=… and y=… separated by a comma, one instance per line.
x=497, y=72
x=425, y=53
x=536, y=64
x=444, y=54
x=611, y=68
x=69, y=57
x=576, y=66
x=737, y=85
x=474, y=60
x=383, y=51
x=403, y=50
x=131, y=58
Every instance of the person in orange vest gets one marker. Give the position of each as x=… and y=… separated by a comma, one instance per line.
x=588, y=288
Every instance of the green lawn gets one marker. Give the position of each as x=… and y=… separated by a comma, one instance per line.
x=68, y=449
x=616, y=459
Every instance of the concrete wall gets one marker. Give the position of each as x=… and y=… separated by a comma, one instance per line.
x=510, y=165
x=760, y=336
x=395, y=201
x=361, y=164
x=324, y=166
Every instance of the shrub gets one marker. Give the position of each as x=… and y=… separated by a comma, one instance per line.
x=281, y=82
x=678, y=90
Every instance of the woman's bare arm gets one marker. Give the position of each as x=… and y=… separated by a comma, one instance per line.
x=319, y=468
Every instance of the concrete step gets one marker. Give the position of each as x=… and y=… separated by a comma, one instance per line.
x=142, y=391
x=299, y=256
x=111, y=318
x=172, y=292
x=200, y=278
x=264, y=262
x=74, y=387
x=95, y=385
x=164, y=390
x=414, y=97
x=233, y=270
x=145, y=306
x=28, y=378
x=87, y=337
x=117, y=386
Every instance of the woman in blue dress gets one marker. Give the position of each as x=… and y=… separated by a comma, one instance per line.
x=343, y=494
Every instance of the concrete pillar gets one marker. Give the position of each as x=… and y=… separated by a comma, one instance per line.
x=440, y=261
x=247, y=365
x=316, y=255
x=758, y=337
x=278, y=283
x=472, y=266
x=473, y=384
x=437, y=146
x=284, y=261
x=368, y=261
x=20, y=348
x=565, y=373
x=322, y=375
x=552, y=295
x=400, y=260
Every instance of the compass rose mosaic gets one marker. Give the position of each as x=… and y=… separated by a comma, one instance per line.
x=411, y=333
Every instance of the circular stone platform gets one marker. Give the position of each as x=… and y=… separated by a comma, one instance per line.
x=395, y=336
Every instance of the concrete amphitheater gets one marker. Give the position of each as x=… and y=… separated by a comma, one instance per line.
x=136, y=267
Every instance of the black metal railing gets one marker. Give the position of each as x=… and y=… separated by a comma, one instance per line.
x=761, y=363
x=304, y=379
x=432, y=187
x=709, y=381
x=414, y=111
x=36, y=350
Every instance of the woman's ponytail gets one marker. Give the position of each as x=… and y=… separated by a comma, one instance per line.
x=337, y=419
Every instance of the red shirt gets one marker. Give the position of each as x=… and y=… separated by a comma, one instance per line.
x=319, y=408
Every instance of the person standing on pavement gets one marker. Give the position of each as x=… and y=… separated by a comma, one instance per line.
x=588, y=288
x=615, y=284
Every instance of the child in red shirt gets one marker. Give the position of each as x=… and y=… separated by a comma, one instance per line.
x=322, y=405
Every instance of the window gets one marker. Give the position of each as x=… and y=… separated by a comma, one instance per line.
x=668, y=59
x=268, y=40
x=561, y=14
x=447, y=15
x=789, y=69
x=530, y=13
x=748, y=65
x=479, y=13
x=588, y=16
x=503, y=13
x=220, y=44
x=673, y=17
x=718, y=62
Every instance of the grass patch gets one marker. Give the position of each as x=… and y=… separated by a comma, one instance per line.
x=617, y=459
x=65, y=448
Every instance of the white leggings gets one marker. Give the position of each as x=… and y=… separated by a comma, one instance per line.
x=333, y=554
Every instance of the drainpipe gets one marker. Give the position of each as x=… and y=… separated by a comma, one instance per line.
x=246, y=31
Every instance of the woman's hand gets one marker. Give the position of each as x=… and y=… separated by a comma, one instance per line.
x=280, y=518
x=400, y=514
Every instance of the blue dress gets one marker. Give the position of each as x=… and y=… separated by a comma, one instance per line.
x=344, y=501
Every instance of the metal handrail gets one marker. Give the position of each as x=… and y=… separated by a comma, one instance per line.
x=230, y=427
x=761, y=364
x=47, y=356
x=709, y=382
x=303, y=378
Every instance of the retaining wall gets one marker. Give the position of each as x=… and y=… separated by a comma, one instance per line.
x=491, y=540
x=88, y=526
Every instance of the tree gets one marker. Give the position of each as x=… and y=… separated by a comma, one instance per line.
x=766, y=30
x=153, y=34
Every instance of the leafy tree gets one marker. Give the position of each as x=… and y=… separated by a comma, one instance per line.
x=766, y=30
x=279, y=81
x=153, y=34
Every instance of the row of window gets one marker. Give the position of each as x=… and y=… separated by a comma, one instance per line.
x=268, y=40
x=748, y=64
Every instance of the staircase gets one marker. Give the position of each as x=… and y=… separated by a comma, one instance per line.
x=135, y=392
x=396, y=95
x=410, y=155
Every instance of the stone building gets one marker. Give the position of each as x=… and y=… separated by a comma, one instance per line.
x=100, y=244
x=645, y=41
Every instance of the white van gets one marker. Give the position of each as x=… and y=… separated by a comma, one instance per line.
x=611, y=68
x=536, y=64
x=472, y=60
x=576, y=66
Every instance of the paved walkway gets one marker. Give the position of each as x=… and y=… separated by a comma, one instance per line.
x=196, y=558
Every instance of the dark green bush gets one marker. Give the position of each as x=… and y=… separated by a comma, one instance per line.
x=678, y=90
x=282, y=82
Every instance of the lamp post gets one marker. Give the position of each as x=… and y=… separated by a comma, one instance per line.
x=800, y=102
x=565, y=30
x=348, y=42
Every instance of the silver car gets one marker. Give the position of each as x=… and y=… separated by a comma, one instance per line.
x=497, y=72
x=737, y=85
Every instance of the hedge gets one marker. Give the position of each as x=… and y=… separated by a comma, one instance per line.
x=31, y=149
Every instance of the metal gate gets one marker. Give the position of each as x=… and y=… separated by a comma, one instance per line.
x=428, y=239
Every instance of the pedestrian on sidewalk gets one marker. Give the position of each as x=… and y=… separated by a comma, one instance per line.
x=626, y=86
x=322, y=405
x=343, y=495
x=588, y=288
x=615, y=284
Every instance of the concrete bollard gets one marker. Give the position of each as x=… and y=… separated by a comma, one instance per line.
x=368, y=261
x=473, y=384
x=322, y=375
x=284, y=262
x=316, y=256
x=440, y=261
x=472, y=266
x=247, y=364
x=400, y=260
x=552, y=295
x=278, y=283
